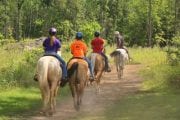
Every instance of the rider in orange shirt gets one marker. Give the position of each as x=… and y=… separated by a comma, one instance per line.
x=79, y=50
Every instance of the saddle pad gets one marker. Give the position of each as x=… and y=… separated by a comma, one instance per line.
x=124, y=53
x=82, y=61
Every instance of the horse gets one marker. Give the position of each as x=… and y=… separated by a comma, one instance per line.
x=98, y=66
x=78, y=76
x=49, y=74
x=120, y=58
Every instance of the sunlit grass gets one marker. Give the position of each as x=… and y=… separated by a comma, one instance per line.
x=161, y=78
x=148, y=56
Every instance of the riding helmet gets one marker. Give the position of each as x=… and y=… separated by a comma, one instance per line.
x=79, y=35
x=96, y=34
x=52, y=31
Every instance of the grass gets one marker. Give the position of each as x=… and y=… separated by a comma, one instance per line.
x=145, y=106
x=17, y=103
x=148, y=56
x=153, y=103
x=140, y=106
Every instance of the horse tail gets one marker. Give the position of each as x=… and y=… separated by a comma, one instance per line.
x=43, y=80
x=72, y=69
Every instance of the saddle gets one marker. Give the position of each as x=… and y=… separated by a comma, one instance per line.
x=53, y=55
x=75, y=59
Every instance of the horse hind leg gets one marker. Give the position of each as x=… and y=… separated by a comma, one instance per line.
x=78, y=97
x=45, y=97
x=98, y=77
x=53, y=98
x=74, y=94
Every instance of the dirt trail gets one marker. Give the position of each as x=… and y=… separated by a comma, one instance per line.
x=94, y=104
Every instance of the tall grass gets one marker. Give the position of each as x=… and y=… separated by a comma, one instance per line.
x=17, y=66
x=148, y=56
x=158, y=74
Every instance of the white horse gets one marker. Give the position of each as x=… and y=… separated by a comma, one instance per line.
x=49, y=74
x=120, y=58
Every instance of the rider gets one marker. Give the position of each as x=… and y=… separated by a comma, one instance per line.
x=119, y=40
x=97, y=46
x=52, y=47
x=79, y=50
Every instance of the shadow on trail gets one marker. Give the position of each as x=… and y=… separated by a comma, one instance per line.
x=18, y=107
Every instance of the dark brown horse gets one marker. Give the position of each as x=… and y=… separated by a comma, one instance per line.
x=48, y=73
x=98, y=65
x=78, y=76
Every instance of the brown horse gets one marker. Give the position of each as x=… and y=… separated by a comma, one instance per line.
x=120, y=58
x=48, y=74
x=98, y=65
x=78, y=75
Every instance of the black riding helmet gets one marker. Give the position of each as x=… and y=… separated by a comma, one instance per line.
x=79, y=35
x=96, y=34
x=52, y=31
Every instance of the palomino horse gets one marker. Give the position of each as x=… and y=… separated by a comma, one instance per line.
x=98, y=65
x=48, y=74
x=78, y=75
x=120, y=58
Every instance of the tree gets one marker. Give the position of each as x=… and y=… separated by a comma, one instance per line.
x=149, y=25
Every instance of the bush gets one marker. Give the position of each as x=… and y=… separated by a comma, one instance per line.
x=173, y=51
x=20, y=69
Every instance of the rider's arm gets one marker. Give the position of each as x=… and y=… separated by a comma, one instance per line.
x=59, y=52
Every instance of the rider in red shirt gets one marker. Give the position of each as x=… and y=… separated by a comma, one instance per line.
x=98, y=46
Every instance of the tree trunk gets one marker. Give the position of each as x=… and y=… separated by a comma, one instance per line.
x=149, y=25
x=176, y=20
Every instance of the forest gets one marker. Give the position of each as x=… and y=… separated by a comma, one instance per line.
x=142, y=22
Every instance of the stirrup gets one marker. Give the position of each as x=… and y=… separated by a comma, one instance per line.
x=63, y=82
x=91, y=78
x=35, y=77
x=108, y=70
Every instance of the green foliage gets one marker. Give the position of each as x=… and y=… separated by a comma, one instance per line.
x=22, y=19
x=88, y=30
x=148, y=56
x=158, y=74
x=31, y=57
x=64, y=30
x=13, y=71
x=144, y=106
x=173, y=51
x=1, y=36
x=161, y=77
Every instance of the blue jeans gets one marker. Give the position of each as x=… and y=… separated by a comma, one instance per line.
x=63, y=63
x=105, y=59
x=89, y=65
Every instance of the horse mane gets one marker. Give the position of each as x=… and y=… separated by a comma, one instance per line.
x=72, y=69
